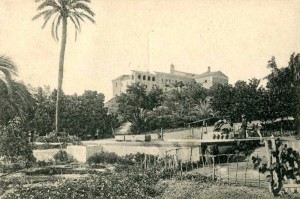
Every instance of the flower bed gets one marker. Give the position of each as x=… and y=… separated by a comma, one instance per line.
x=129, y=183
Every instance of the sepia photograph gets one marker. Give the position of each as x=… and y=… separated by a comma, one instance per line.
x=149, y=99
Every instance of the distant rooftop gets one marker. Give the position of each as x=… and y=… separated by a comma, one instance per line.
x=121, y=77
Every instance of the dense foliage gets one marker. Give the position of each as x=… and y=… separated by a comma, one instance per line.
x=155, y=109
x=182, y=103
x=81, y=115
x=129, y=183
x=15, y=149
x=63, y=157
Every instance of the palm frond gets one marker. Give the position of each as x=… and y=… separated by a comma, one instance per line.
x=48, y=16
x=78, y=16
x=53, y=27
x=83, y=7
x=76, y=27
x=86, y=16
x=48, y=3
x=75, y=1
x=40, y=14
x=57, y=25
x=7, y=66
x=75, y=20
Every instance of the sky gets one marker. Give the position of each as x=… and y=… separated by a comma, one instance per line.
x=237, y=37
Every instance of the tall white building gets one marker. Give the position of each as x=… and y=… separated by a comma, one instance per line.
x=166, y=80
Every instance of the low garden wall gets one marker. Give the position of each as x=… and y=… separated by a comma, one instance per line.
x=81, y=153
x=45, y=154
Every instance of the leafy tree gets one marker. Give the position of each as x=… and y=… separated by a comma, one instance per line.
x=182, y=100
x=43, y=121
x=62, y=10
x=282, y=95
x=136, y=104
x=242, y=98
x=222, y=99
x=14, y=144
x=294, y=67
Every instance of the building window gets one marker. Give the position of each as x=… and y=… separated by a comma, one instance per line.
x=139, y=76
x=116, y=84
x=146, y=86
x=144, y=77
x=205, y=81
x=153, y=78
x=176, y=81
x=162, y=80
x=149, y=78
x=132, y=77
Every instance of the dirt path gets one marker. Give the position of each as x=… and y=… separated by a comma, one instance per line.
x=198, y=190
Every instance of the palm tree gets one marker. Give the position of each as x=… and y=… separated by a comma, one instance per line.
x=61, y=11
x=203, y=109
x=14, y=96
x=8, y=69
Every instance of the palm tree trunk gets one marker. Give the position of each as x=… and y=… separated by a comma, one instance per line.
x=61, y=71
x=298, y=111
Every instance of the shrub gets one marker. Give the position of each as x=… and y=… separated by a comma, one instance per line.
x=15, y=147
x=129, y=183
x=49, y=146
x=55, y=138
x=63, y=157
x=109, y=158
x=103, y=157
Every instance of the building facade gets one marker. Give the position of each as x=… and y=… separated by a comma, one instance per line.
x=166, y=81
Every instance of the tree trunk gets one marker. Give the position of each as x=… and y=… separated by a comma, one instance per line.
x=61, y=70
x=298, y=111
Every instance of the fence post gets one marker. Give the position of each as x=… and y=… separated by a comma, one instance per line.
x=259, y=179
x=228, y=168
x=213, y=168
x=145, y=162
x=180, y=169
x=246, y=170
x=149, y=162
x=237, y=168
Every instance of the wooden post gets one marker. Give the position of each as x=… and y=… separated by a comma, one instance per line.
x=259, y=179
x=149, y=161
x=213, y=169
x=180, y=169
x=237, y=168
x=228, y=168
x=246, y=170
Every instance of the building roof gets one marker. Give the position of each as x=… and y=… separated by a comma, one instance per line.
x=174, y=74
x=147, y=72
x=121, y=77
x=209, y=74
x=184, y=73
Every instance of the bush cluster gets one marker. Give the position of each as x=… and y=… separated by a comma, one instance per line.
x=129, y=183
x=54, y=170
x=63, y=157
x=109, y=158
x=56, y=138
x=49, y=146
